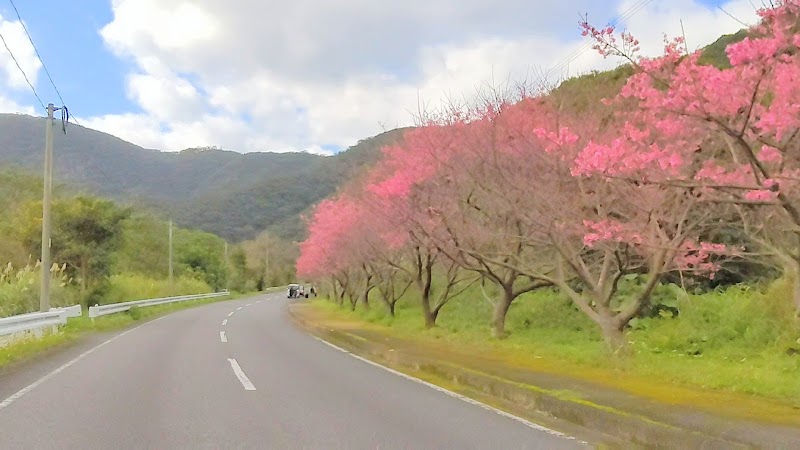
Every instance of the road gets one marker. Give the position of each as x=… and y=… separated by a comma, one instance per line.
x=238, y=374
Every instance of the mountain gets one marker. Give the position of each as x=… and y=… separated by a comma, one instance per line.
x=231, y=194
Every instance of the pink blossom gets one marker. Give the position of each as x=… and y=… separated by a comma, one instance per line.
x=769, y=154
x=760, y=196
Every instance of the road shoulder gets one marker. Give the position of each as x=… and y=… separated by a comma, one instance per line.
x=554, y=401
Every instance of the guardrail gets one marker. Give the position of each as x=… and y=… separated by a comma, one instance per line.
x=102, y=310
x=72, y=311
x=32, y=321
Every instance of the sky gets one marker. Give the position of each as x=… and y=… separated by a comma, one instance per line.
x=308, y=75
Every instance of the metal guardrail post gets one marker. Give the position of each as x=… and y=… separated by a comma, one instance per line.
x=102, y=310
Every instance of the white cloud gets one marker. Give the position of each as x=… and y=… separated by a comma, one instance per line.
x=317, y=150
x=11, y=79
x=303, y=75
x=8, y=105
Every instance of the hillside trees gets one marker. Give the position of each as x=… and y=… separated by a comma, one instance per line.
x=102, y=252
x=268, y=260
x=201, y=254
x=86, y=232
x=143, y=247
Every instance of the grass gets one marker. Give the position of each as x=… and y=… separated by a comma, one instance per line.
x=128, y=287
x=80, y=326
x=738, y=341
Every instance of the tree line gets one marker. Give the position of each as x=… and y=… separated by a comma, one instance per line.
x=105, y=252
x=687, y=176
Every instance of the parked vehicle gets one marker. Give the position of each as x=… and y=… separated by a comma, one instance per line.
x=294, y=291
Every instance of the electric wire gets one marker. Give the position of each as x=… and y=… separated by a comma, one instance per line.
x=627, y=14
x=36, y=50
x=24, y=75
x=44, y=66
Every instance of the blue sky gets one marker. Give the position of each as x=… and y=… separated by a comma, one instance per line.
x=89, y=77
x=260, y=75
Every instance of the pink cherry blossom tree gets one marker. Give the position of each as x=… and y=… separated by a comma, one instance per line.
x=395, y=196
x=335, y=249
x=728, y=136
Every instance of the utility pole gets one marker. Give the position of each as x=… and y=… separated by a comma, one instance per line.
x=170, y=258
x=44, y=296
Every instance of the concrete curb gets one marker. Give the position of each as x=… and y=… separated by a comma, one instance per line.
x=532, y=402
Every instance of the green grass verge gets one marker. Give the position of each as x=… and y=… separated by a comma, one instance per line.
x=741, y=340
x=77, y=327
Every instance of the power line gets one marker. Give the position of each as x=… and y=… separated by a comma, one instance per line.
x=65, y=114
x=732, y=16
x=627, y=14
x=22, y=71
x=630, y=12
x=36, y=51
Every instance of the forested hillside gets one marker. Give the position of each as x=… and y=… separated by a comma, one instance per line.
x=227, y=193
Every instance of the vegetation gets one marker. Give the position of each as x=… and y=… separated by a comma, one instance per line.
x=721, y=340
x=233, y=195
x=19, y=289
x=266, y=261
x=102, y=252
x=655, y=211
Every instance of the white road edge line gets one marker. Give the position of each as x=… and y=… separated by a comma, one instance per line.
x=21, y=393
x=230, y=314
x=464, y=398
x=258, y=302
x=249, y=304
x=248, y=386
x=222, y=337
x=239, y=308
x=224, y=322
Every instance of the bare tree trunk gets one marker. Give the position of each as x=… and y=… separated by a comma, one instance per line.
x=612, y=334
x=349, y=291
x=430, y=316
x=425, y=284
x=352, y=296
x=365, y=296
x=338, y=292
x=500, y=311
x=335, y=289
x=388, y=299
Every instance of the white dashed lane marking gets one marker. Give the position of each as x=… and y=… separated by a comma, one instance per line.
x=248, y=386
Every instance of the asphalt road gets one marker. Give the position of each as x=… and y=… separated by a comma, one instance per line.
x=178, y=382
